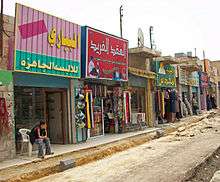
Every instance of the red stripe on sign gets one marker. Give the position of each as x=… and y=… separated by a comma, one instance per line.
x=32, y=29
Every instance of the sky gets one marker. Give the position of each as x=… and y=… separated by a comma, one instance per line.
x=179, y=25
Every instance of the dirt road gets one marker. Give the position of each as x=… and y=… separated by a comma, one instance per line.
x=162, y=160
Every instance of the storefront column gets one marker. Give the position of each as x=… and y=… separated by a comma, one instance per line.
x=149, y=105
x=199, y=99
x=190, y=94
x=217, y=94
x=72, y=112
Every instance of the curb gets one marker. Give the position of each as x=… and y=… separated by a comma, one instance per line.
x=192, y=172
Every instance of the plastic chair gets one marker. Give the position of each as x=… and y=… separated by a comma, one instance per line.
x=25, y=138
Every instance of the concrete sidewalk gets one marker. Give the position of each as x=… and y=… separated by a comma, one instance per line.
x=62, y=149
x=25, y=169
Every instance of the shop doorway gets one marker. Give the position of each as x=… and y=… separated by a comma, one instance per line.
x=55, y=117
x=35, y=104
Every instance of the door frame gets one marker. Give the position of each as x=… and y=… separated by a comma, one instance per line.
x=61, y=92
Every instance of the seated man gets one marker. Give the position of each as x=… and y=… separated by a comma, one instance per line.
x=39, y=136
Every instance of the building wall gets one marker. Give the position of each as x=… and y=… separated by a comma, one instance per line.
x=7, y=41
x=216, y=65
x=7, y=135
x=139, y=62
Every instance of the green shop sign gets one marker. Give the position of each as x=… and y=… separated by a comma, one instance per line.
x=42, y=64
x=165, y=75
x=165, y=80
x=5, y=77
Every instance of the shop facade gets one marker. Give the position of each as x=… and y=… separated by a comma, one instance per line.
x=46, y=66
x=166, y=95
x=105, y=75
x=141, y=104
x=189, y=87
x=203, y=83
x=142, y=84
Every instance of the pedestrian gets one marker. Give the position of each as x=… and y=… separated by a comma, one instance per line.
x=213, y=101
x=208, y=102
x=39, y=136
x=178, y=110
x=194, y=105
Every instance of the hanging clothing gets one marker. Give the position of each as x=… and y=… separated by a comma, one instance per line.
x=89, y=111
x=173, y=101
x=162, y=103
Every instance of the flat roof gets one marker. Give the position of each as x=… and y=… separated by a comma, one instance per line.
x=145, y=52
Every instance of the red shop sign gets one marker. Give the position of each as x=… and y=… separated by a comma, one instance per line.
x=107, y=56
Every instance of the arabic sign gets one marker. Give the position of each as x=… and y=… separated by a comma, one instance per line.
x=193, y=79
x=165, y=80
x=46, y=44
x=203, y=79
x=188, y=78
x=166, y=75
x=107, y=56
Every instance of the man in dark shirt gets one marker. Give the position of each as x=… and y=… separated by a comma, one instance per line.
x=41, y=139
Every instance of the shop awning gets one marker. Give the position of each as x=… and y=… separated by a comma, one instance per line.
x=142, y=73
x=145, y=52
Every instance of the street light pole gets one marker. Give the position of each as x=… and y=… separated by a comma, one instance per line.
x=121, y=15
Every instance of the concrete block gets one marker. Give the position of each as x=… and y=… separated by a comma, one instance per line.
x=159, y=133
x=67, y=164
x=216, y=177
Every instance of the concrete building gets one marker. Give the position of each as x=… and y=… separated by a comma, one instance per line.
x=7, y=134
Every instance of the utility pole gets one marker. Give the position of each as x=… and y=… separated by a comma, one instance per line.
x=195, y=53
x=121, y=15
x=204, y=54
x=151, y=40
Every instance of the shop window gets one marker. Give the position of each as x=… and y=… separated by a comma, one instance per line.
x=138, y=100
x=29, y=106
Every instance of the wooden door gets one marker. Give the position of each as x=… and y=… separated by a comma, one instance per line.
x=55, y=123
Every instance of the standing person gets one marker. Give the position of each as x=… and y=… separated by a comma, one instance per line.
x=213, y=101
x=177, y=103
x=208, y=102
x=39, y=136
x=194, y=104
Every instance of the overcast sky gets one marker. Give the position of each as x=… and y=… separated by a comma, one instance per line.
x=179, y=25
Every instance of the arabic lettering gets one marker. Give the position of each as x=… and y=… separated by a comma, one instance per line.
x=117, y=51
x=50, y=66
x=52, y=37
x=99, y=48
x=62, y=40
x=167, y=81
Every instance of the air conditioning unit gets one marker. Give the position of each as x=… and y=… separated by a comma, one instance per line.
x=137, y=117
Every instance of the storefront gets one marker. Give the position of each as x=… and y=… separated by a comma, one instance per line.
x=166, y=95
x=46, y=64
x=105, y=69
x=138, y=88
x=203, y=82
x=189, y=87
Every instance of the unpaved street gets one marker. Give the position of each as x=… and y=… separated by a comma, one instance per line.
x=165, y=159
